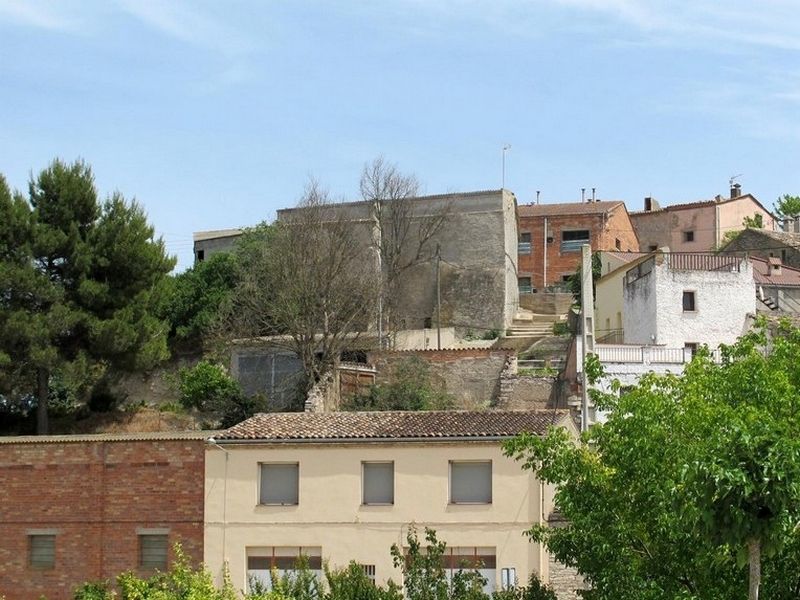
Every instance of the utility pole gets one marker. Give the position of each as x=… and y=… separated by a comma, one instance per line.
x=587, y=328
x=438, y=298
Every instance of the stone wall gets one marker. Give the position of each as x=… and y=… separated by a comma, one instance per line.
x=471, y=376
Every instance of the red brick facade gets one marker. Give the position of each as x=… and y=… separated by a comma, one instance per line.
x=550, y=258
x=96, y=494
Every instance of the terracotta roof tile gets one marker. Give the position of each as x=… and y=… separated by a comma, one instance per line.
x=788, y=277
x=568, y=208
x=395, y=425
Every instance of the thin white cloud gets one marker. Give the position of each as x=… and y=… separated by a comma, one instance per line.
x=40, y=14
x=190, y=23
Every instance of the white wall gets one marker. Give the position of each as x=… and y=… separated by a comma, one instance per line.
x=723, y=299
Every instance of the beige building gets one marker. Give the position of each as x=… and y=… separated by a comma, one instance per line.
x=339, y=487
x=696, y=226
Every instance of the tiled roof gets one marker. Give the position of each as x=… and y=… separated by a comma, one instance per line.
x=109, y=437
x=788, y=276
x=395, y=425
x=568, y=208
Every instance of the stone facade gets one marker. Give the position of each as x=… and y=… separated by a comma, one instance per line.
x=471, y=376
x=207, y=243
x=96, y=494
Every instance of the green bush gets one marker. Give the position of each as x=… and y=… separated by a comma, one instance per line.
x=410, y=389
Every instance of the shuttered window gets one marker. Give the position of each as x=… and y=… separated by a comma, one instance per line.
x=471, y=482
x=377, y=482
x=42, y=551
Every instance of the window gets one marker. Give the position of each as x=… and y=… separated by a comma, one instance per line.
x=524, y=243
x=691, y=348
x=280, y=483
x=201, y=255
x=525, y=285
x=471, y=482
x=688, y=236
x=284, y=560
x=688, y=302
x=617, y=244
x=571, y=241
x=42, y=551
x=369, y=571
x=377, y=483
x=652, y=248
x=153, y=550
x=484, y=560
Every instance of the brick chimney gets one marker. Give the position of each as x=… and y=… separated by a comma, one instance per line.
x=736, y=190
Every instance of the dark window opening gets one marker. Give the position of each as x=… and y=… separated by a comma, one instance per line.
x=688, y=302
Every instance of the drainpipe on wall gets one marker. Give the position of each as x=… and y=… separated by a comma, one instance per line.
x=544, y=255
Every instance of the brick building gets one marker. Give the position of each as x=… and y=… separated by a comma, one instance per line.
x=551, y=236
x=89, y=507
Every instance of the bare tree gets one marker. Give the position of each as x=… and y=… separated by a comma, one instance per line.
x=404, y=230
x=303, y=282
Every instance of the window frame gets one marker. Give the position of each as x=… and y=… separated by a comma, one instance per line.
x=688, y=236
x=525, y=246
x=692, y=296
x=458, y=494
x=153, y=549
x=292, y=498
x=574, y=243
x=369, y=465
x=42, y=550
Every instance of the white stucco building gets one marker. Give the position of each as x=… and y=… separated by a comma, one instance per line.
x=687, y=300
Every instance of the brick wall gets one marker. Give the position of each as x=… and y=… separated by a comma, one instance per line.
x=605, y=230
x=95, y=494
x=472, y=375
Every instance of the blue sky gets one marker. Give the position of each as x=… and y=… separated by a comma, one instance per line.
x=213, y=114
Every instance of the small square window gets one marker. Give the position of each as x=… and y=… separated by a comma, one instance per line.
x=42, y=551
x=688, y=236
x=377, y=483
x=689, y=302
x=280, y=483
x=471, y=482
x=153, y=551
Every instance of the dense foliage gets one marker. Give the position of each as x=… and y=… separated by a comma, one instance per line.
x=79, y=281
x=689, y=480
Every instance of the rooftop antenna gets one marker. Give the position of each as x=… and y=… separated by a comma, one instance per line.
x=734, y=178
x=506, y=148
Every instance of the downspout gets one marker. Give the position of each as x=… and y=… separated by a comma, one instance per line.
x=544, y=255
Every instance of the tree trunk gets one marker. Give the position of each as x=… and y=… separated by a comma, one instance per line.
x=754, y=551
x=42, y=385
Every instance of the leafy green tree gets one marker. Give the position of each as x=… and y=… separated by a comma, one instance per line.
x=79, y=285
x=351, y=583
x=207, y=387
x=690, y=478
x=787, y=207
x=194, y=297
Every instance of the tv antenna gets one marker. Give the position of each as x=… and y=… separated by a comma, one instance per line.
x=506, y=148
x=734, y=178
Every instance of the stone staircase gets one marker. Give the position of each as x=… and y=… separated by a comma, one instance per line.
x=531, y=325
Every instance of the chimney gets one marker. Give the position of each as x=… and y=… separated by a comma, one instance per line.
x=736, y=190
x=648, y=204
x=774, y=265
x=594, y=198
x=583, y=194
